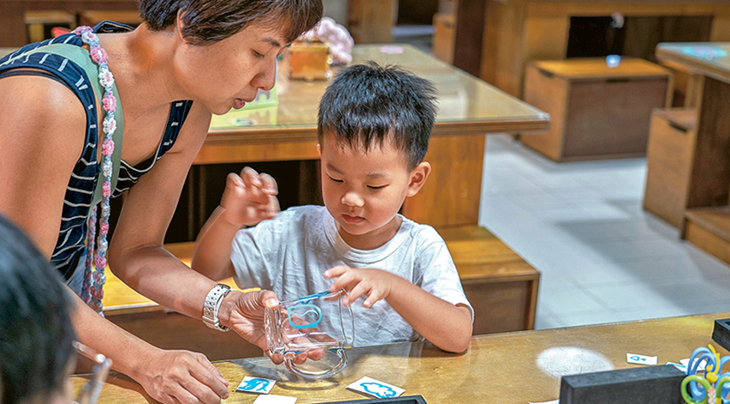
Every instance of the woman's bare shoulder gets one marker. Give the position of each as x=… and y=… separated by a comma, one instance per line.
x=41, y=114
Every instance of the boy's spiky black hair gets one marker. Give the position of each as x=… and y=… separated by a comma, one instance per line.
x=370, y=103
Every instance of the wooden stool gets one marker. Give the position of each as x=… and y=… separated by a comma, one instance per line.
x=669, y=160
x=94, y=17
x=596, y=111
x=39, y=23
x=500, y=285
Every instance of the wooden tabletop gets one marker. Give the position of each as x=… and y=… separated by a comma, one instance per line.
x=507, y=368
x=597, y=68
x=707, y=58
x=466, y=103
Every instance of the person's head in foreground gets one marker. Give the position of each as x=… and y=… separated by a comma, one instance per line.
x=36, y=335
x=374, y=125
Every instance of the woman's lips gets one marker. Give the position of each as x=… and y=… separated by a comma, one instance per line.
x=238, y=103
x=353, y=219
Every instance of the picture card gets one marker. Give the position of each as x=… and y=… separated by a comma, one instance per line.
x=376, y=388
x=274, y=399
x=640, y=359
x=257, y=385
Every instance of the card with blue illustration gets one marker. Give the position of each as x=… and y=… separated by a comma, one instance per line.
x=376, y=388
x=257, y=385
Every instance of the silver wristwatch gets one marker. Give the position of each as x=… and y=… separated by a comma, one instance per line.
x=211, y=306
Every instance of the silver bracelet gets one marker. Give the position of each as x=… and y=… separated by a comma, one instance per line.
x=212, y=305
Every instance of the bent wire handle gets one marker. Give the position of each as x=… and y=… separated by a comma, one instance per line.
x=689, y=398
x=321, y=374
x=719, y=388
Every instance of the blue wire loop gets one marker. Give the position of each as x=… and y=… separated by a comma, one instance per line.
x=305, y=310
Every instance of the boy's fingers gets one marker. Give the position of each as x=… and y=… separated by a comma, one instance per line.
x=234, y=180
x=336, y=271
x=269, y=184
x=251, y=177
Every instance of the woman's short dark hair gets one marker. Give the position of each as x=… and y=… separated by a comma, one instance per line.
x=36, y=334
x=214, y=20
x=369, y=103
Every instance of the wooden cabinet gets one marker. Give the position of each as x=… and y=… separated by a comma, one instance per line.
x=669, y=158
x=596, y=111
x=443, y=36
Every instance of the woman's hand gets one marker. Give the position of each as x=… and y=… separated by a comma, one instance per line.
x=173, y=376
x=374, y=283
x=249, y=198
x=244, y=313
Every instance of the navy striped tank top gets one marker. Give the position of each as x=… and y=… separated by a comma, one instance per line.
x=70, y=246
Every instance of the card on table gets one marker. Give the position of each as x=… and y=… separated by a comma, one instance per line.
x=640, y=359
x=274, y=399
x=257, y=385
x=376, y=388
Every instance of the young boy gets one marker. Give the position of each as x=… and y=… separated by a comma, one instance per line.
x=373, y=128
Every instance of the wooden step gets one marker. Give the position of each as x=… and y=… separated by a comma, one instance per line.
x=500, y=285
x=709, y=229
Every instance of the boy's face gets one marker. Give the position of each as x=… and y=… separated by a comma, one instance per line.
x=363, y=191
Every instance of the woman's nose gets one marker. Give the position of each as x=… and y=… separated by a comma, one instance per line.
x=266, y=78
x=352, y=199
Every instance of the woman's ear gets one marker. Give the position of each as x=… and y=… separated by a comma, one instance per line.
x=418, y=177
x=179, y=25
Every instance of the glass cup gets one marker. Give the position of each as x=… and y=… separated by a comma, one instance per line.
x=90, y=392
x=309, y=324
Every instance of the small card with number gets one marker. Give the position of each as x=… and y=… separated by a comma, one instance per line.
x=640, y=359
x=257, y=385
x=274, y=399
x=376, y=388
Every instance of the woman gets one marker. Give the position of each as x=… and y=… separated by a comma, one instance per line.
x=188, y=59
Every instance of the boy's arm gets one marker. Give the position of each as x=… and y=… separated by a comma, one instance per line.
x=247, y=200
x=446, y=325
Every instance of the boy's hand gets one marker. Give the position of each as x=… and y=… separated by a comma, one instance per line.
x=375, y=283
x=249, y=198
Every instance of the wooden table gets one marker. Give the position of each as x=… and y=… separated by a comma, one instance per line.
x=468, y=109
x=707, y=217
x=497, y=38
x=501, y=368
x=13, y=32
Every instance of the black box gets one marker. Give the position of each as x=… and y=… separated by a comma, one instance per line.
x=721, y=333
x=646, y=385
x=394, y=400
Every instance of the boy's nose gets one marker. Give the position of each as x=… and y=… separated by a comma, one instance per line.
x=352, y=199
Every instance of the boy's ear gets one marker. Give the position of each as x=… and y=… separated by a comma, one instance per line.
x=418, y=177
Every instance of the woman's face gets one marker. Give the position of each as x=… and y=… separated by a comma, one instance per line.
x=228, y=73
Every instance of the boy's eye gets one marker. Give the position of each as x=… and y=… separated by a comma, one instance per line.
x=334, y=179
x=377, y=187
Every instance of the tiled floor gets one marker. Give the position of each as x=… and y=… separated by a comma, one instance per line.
x=601, y=256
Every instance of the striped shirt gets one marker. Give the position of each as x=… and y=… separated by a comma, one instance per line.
x=70, y=246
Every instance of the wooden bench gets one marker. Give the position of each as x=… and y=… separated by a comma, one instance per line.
x=500, y=285
x=93, y=17
x=596, y=111
x=39, y=22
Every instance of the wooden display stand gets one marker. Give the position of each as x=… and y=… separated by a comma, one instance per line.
x=669, y=159
x=596, y=111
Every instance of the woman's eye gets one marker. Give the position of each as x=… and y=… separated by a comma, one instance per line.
x=335, y=179
x=257, y=54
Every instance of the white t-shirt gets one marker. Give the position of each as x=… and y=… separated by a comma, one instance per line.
x=289, y=254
